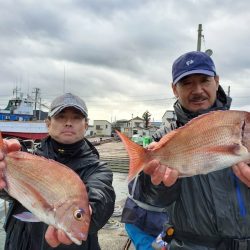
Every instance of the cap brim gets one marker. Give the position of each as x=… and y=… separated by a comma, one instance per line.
x=57, y=110
x=197, y=71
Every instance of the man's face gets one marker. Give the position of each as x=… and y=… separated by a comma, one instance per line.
x=67, y=127
x=196, y=92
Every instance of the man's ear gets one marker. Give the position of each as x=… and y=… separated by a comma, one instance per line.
x=217, y=80
x=48, y=121
x=175, y=90
x=86, y=123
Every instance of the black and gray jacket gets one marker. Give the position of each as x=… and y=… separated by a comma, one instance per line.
x=83, y=158
x=213, y=210
x=204, y=209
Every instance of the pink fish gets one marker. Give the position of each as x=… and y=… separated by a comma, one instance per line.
x=207, y=143
x=51, y=191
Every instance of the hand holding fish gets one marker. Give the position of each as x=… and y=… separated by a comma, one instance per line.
x=55, y=237
x=9, y=146
x=159, y=172
x=242, y=171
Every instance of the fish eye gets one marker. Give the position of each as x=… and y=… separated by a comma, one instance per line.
x=78, y=214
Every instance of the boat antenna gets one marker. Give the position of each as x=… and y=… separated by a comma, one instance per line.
x=15, y=91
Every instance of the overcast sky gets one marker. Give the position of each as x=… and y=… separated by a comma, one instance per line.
x=117, y=54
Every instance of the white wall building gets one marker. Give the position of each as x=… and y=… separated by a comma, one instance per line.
x=168, y=116
x=90, y=131
x=102, y=128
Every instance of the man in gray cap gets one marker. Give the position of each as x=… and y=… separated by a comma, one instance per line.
x=66, y=128
x=67, y=123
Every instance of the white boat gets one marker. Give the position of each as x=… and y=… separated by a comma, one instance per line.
x=18, y=120
x=35, y=130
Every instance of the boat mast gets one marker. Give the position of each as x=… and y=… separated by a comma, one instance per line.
x=16, y=90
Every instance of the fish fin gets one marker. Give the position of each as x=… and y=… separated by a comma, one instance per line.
x=20, y=155
x=194, y=123
x=26, y=216
x=40, y=200
x=166, y=138
x=137, y=155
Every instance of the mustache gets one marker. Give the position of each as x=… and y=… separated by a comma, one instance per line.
x=197, y=98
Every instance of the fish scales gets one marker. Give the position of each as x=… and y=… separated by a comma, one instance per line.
x=207, y=143
x=39, y=176
x=53, y=192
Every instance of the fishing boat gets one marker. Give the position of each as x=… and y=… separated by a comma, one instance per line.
x=19, y=119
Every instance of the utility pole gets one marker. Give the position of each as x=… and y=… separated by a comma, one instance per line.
x=40, y=104
x=228, y=91
x=64, y=79
x=199, y=37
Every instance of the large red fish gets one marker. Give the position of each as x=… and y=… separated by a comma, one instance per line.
x=207, y=143
x=51, y=191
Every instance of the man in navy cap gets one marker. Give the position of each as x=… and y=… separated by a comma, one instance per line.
x=206, y=212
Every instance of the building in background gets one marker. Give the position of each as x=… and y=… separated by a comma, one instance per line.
x=168, y=117
x=90, y=131
x=102, y=128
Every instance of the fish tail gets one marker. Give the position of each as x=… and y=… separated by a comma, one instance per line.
x=137, y=156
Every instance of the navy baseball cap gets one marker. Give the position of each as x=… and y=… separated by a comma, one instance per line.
x=195, y=62
x=65, y=101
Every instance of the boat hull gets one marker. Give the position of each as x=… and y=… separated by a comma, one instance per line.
x=35, y=130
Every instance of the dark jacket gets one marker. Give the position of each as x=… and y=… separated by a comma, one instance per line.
x=211, y=209
x=203, y=209
x=83, y=158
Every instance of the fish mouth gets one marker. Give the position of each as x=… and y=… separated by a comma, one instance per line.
x=77, y=239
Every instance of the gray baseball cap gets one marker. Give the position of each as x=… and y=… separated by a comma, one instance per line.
x=67, y=100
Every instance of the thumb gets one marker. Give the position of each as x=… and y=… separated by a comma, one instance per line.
x=12, y=145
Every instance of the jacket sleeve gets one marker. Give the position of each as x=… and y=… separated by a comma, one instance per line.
x=156, y=195
x=164, y=130
x=101, y=194
x=173, y=192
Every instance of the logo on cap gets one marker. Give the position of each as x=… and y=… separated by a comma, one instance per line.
x=189, y=62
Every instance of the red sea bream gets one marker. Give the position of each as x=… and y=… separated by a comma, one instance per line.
x=51, y=191
x=207, y=143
